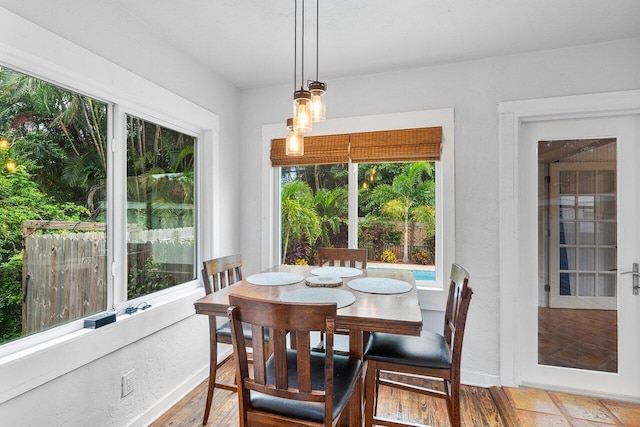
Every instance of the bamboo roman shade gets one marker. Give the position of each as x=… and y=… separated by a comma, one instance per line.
x=402, y=145
x=329, y=149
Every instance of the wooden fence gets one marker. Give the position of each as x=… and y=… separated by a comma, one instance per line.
x=64, y=275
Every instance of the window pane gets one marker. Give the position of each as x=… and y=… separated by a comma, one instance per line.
x=53, y=188
x=160, y=207
x=314, y=210
x=396, y=213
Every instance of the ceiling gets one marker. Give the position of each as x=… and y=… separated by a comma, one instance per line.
x=250, y=42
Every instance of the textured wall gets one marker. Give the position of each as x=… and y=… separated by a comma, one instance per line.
x=473, y=89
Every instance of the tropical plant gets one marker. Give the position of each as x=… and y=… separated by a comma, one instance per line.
x=299, y=218
x=389, y=256
x=332, y=208
x=412, y=188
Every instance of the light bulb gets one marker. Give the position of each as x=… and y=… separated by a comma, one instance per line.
x=294, y=144
x=301, y=114
x=318, y=103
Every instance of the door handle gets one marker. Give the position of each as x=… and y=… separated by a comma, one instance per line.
x=634, y=280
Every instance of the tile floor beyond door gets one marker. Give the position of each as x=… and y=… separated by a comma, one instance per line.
x=542, y=408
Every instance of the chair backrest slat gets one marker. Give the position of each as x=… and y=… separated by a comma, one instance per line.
x=218, y=273
x=343, y=257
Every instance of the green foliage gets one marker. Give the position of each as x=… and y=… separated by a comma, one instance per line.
x=422, y=257
x=374, y=235
x=21, y=200
x=151, y=278
x=389, y=256
x=299, y=218
x=11, y=298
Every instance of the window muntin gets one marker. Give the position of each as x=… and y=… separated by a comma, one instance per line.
x=161, y=246
x=53, y=248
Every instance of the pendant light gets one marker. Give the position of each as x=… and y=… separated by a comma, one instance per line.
x=295, y=141
x=318, y=88
x=302, y=121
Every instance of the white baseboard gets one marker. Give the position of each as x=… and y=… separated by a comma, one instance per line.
x=479, y=379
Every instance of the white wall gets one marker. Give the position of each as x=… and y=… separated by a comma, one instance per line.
x=171, y=357
x=473, y=89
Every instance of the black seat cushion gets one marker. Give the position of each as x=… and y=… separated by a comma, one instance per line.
x=429, y=350
x=225, y=330
x=346, y=372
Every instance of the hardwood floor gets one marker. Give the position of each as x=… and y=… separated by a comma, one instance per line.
x=481, y=407
x=478, y=407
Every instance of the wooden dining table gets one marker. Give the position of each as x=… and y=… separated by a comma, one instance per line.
x=370, y=312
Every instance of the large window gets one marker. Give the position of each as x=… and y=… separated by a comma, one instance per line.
x=392, y=212
x=62, y=213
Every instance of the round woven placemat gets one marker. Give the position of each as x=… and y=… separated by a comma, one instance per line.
x=379, y=285
x=341, y=297
x=275, y=278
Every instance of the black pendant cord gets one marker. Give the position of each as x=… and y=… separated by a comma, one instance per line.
x=295, y=44
x=317, y=36
x=302, y=62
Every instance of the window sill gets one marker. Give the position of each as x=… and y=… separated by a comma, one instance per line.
x=432, y=298
x=31, y=367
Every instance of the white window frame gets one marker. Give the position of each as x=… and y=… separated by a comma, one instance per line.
x=431, y=297
x=31, y=361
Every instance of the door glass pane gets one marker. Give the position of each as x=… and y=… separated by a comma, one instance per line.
x=606, y=233
x=587, y=183
x=587, y=258
x=607, y=285
x=586, y=207
x=567, y=182
x=586, y=233
x=587, y=285
x=577, y=255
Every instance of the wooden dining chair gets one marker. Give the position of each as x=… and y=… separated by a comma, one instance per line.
x=293, y=387
x=431, y=355
x=343, y=257
x=217, y=274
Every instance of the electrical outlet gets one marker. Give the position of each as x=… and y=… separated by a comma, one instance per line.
x=128, y=380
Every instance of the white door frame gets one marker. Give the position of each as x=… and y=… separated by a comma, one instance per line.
x=512, y=114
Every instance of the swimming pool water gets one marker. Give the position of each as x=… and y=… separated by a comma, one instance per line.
x=420, y=274
x=424, y=274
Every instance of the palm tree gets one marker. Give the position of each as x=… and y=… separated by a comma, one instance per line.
x=409, y=196
x=299, y=218
x=332, y=209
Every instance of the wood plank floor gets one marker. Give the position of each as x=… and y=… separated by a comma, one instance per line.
x=478, y=407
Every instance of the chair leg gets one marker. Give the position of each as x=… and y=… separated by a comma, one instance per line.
x=454, y=405
x=370, y=393
x=213, y=367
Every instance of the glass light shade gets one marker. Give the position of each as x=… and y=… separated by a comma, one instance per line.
x=294, y=144
x=318, y=103
x=11, y=165
x=302, y=111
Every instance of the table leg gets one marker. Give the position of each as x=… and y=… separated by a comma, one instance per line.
x=352, y=415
